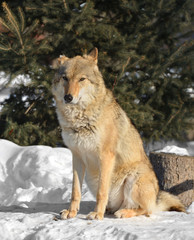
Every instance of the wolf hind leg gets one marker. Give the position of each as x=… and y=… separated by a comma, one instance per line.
x=128, y=213
x=139, y=197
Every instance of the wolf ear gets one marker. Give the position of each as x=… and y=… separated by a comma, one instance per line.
x=94, y=55
x=62, y=59
x=57, y=62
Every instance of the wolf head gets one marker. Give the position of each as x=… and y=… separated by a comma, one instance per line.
x=78, y=80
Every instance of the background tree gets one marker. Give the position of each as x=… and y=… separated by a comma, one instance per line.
x=145, y=55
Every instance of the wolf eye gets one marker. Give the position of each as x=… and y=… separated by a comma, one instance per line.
x=81, y=79
x=65, y=78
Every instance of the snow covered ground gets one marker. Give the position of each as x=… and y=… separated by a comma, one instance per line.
x=35, y=184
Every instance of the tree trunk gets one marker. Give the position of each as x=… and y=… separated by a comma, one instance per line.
x=175, y=174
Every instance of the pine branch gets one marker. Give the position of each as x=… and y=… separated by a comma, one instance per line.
x=4, y=48
x=17, y=30
x=122, y=72
x=65, y=5
x=35, y=101
x=31, y=28
x=174, y=56
x=12, y=21
x=5, y=24
x=21, y=15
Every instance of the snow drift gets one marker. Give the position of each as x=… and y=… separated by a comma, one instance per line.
x=34, y=174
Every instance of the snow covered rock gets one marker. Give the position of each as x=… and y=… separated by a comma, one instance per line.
x=174, y=149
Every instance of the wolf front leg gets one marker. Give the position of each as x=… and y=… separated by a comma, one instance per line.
x=106, y=167
x=78, y=175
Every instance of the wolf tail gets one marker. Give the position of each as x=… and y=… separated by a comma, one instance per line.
x=169, y=202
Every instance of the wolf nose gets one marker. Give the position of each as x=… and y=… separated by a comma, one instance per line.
x=68, y=98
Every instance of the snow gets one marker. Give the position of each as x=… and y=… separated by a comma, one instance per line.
x=172, y=146
x=6, y=86
x=174, y=149
x=35, y=184
x=20, y=79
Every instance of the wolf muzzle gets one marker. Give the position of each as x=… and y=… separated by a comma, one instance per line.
x=68, y=98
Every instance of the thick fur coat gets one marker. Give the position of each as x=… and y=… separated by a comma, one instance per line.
x=106, y=147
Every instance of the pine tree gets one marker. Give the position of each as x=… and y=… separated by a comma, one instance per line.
x=28, y=116
x=145, y=55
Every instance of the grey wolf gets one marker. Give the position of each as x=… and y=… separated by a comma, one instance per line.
x=106, y=147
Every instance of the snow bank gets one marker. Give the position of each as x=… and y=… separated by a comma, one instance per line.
x=35, y=184
x=34, y=174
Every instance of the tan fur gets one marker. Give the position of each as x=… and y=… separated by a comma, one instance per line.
x=105, y=145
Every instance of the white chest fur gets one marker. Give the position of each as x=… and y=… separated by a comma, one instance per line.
x=80, y=134
x=85, y=147
x=78, y=129
x=81, y=139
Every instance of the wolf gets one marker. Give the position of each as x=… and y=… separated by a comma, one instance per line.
x=107, y=149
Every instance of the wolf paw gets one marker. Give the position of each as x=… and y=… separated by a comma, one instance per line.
x=125, y=213
x=65, y=214
x=95, y=216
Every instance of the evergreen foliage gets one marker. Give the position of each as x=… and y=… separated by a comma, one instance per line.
x=145, y=55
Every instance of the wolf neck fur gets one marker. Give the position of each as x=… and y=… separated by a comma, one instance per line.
x=76, y=116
